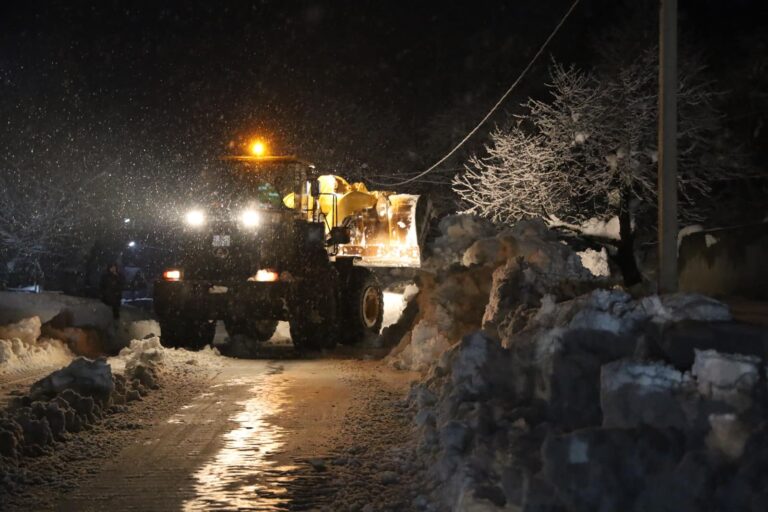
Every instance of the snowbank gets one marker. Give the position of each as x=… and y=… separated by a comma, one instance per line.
x=15, y=306
x=478, y=277
x=457, y=233
x=23, y=350
x=149, y=353
x=543, y=390
x=577, y=409
x=83, y=392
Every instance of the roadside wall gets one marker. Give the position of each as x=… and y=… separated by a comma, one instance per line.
x=726, y=262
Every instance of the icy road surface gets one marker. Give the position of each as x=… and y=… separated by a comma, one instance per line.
x=261, y=437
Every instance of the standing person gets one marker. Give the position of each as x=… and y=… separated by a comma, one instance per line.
x=111, y=286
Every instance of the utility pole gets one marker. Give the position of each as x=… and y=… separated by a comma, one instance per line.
x=668, y=228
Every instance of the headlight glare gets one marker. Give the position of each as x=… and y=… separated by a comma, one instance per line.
x=195, y=218
x=250, y=218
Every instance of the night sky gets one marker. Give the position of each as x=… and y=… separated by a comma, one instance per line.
x=144, y=90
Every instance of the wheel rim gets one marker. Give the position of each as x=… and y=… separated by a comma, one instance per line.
x=371, y=306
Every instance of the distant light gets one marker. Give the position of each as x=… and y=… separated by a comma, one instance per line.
x=250, y=218
x=131, y=244
x=126, y=221
x=258, y=148
x=172, y=275
x=195, y=218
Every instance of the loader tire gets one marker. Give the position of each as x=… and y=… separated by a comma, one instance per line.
x=257, y=330
x=313, y=308
x=362, y=305
x=183, y=332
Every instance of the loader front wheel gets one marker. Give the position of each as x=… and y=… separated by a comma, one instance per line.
x=362, y=304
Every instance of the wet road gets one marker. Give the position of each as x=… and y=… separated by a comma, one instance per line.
x=238, y=445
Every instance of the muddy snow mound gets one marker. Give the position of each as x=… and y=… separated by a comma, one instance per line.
x=457, y=233
x=480, y=277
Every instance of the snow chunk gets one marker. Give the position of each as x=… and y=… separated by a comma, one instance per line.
x=425, y=347
x=394, y=304
x=27, y=330
x=84, y=376
x=598, y=228
x=728, y=435
x=687, y=230
x=457, y=232
x=728, y=378
x=634, y=394
x=595, y=261
x=22, y=350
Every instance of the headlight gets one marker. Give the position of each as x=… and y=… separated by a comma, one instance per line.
x=195, y=218
x=265, y=275
x=250, y=218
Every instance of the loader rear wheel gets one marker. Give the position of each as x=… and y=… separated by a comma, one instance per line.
x=183, y=332
x=257, y=330
x=313, y=310
x=362, y=303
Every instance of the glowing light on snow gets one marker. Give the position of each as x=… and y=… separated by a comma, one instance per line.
x=394, y=303
x=245, y=473
x=195, y=218
x=126, y=221
x=131, y=244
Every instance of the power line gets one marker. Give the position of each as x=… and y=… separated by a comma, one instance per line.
x=493, y=109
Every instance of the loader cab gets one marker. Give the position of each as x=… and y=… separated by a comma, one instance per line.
x=264, y=182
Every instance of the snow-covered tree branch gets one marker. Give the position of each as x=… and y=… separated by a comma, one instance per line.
x=590, y=150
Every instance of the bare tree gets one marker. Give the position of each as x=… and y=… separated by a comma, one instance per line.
x=40, y=221
x=590, y=151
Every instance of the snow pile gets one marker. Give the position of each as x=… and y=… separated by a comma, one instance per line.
x=85, y=324
x=134, y=324
x=478, y=280
x=457, y=233
x=15, y=306
x=587, y=404
x=64, y=402
x=595, y=261
x=148, y=355
x=22, y=349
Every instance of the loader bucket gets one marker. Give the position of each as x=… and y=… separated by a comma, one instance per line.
x=391, y=234
x=386, y=229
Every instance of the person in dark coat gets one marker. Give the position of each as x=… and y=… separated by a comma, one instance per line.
x=111, y=286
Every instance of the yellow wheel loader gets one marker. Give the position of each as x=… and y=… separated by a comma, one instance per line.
x=274, y=240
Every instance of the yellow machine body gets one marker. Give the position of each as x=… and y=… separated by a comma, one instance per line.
x=385, y=229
